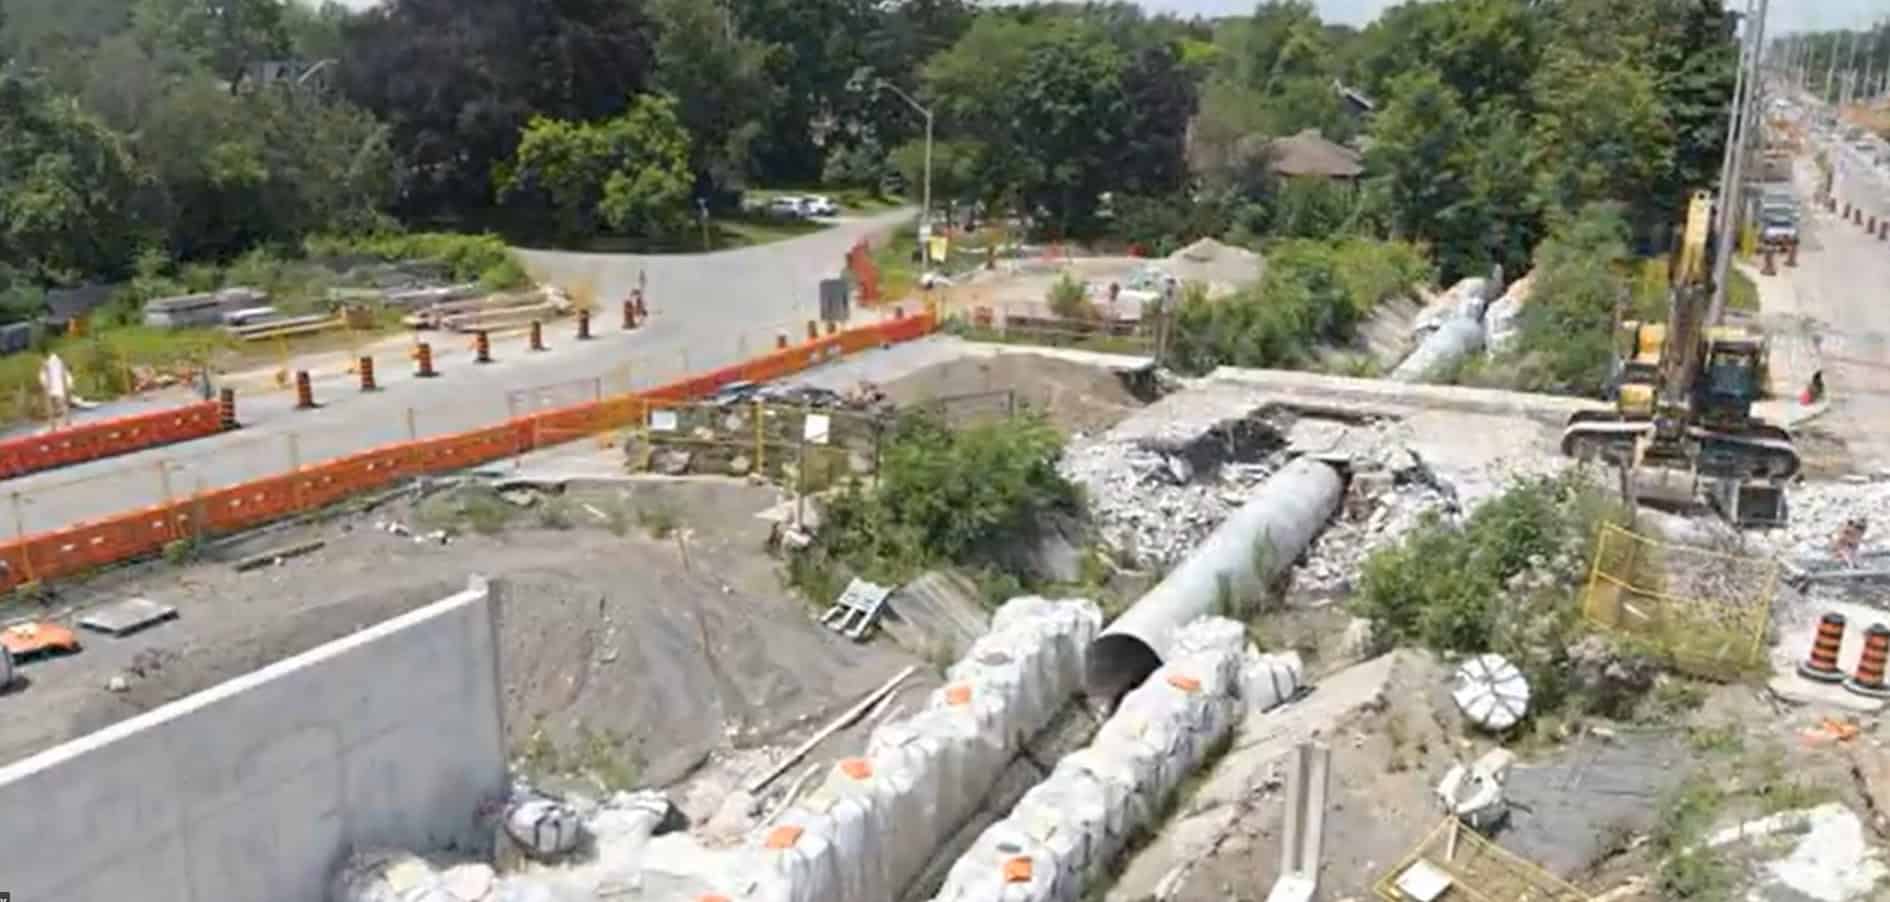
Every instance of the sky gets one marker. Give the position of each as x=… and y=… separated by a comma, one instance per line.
x=1786, y=15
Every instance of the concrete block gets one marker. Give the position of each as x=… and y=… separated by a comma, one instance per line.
x=254, y=790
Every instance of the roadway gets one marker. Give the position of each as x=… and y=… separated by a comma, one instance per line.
x=706, y=311
x=1829, y=311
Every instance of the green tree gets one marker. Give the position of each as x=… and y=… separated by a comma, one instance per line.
x=629, y=173
x=956, y=167
x=1600, y=130
x=226, y=36
x=720, y=79
x=1421, y=141
x=264, y=167
x=69, y=188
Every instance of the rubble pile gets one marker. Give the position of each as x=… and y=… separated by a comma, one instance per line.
x=1381, y=506
x=1820, y=509
x=1156, y=494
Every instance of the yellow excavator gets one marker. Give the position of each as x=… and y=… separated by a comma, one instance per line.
x=1682, y=426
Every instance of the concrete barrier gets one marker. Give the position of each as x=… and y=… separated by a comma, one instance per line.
x=254, y=790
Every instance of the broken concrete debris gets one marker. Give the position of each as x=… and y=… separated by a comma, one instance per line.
x=1474, y=793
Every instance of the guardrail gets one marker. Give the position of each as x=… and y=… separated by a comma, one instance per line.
x=106, y=438
x=87, y=545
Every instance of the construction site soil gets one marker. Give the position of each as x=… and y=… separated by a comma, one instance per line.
x=1074, y=397
x=642, y=626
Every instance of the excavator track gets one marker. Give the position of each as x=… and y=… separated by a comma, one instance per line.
x=1764, y=452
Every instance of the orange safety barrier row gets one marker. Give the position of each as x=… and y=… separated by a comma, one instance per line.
x=87, y=545
x=106, y=438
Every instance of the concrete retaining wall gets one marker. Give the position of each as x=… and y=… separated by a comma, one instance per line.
x=254, y=790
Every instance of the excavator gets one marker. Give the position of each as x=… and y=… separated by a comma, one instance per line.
x=1682, y=427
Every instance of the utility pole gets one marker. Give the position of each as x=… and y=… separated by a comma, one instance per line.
x=1830, y=72
x=1732, y=178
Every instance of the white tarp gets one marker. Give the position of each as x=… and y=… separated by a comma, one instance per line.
x=1068, y=830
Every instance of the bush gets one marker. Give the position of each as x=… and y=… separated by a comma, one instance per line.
x=1567, y=333
x=483, y=258
x=943, y=495
x=1313, y=292
x=1069, y=298
x=1496, y=583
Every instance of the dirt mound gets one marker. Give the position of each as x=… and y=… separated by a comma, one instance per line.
x=1077, y=398
x=664, y=667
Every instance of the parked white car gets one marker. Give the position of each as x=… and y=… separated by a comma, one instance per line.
x=819, y=205
x=787, y=207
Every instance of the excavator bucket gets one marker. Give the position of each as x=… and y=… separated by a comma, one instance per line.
x=1751, y=505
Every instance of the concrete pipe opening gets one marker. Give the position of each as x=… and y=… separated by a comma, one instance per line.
x=1240, y=559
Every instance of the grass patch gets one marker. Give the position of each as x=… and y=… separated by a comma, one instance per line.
x=1741, y=294
x=658, y=519
x=477, y=508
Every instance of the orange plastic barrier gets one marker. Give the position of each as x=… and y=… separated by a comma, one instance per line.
x=106, y=438
x=87, y=545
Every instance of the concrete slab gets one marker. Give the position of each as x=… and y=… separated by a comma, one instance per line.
x=126, y=617
x=1800, y=691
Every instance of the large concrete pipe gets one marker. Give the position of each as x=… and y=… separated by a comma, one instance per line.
x=1456, y=339
x=1240, y=559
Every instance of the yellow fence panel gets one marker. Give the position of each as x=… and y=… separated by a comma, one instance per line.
x=1479, y=870
x=1707, y=611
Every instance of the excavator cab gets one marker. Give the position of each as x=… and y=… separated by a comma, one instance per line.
x=1732, y=378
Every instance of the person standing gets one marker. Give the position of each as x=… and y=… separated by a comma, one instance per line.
x=56, y=380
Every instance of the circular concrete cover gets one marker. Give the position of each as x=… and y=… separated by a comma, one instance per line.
x=1491, y=691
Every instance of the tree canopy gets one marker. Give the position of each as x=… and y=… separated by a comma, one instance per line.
x=206, y=128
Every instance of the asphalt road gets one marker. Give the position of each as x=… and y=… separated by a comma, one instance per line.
x=706, y=311
x=1837, y=295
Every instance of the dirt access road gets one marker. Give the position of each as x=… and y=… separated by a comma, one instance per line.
x=699, y=305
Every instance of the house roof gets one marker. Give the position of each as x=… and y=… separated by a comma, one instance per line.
x=1310, y=154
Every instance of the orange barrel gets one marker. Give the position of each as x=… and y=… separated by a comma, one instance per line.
x=366, y=369
x=630, y=314
x=226, y=409
x=1868, y=680
x=304, y=391
x=423, y=361
x=780, y=341
x=538, y=336
x=813, y=331
x=1822, y=664
x=584, y=325
x=482, y=347
x=833, y=328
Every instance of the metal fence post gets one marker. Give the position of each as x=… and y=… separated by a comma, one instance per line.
x=294, y=442
x=761, y=439
x=413, y=431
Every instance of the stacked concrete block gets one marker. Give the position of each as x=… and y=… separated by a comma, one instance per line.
x=868, y=830
x=1067, y=831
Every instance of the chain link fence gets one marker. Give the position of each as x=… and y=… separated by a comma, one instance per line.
x=1706, y=611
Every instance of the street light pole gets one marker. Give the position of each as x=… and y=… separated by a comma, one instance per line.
x=925, y=213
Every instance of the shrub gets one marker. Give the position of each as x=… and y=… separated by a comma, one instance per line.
x=943, y=495
x=483, y=258
x=1069, y=298
x=1497, y=582
x=1313, y=292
